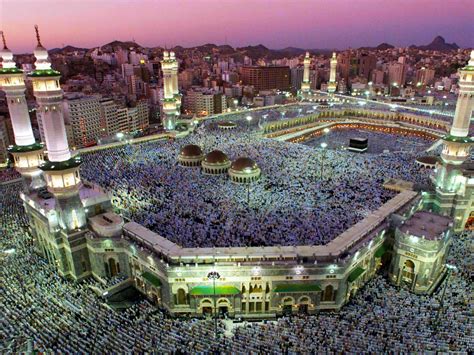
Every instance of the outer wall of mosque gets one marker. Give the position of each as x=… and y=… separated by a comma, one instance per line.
x=254, y=282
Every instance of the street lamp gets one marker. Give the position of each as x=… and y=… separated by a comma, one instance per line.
x=323, y=146
x=249, y=118
x=214, y=275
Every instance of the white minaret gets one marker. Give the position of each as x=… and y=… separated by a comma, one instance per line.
x=61, y=170
x=171, y=97
x=28, y=154
x=449, y=179
x=306, y=84
x=332, y=74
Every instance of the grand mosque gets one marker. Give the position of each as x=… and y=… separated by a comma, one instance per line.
x=76, y=228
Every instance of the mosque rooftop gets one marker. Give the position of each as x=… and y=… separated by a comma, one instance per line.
x=428, y=225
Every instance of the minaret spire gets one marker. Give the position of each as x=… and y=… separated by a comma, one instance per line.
x=3, y=40
x=38, y=36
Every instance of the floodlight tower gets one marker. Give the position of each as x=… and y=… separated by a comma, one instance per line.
x=61, y=169
x=27, y=153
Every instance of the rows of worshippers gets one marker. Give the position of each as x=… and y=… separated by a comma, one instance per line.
x=45, y=313
x=304, y=196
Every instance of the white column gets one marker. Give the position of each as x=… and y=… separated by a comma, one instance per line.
x=20, y=119
x=55, y=134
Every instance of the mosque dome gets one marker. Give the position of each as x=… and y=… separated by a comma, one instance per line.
x=191, y=150
x=190, y=155
x=216, y=157
x=244, y=170
x=244, y=164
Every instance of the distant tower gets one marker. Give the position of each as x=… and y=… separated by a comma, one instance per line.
x=332, y=75
x=450, y=182
x=172, y=98
x=61, y=170
x=27, y=153
x=306, y=84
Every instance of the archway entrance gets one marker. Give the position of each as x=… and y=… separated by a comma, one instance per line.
x=328, y=293
x=181, y=297
x=112, y=267
x=288, y=306
x=223, y=306
x=206, y=307
x=207, y=311
x=303, y=309
x=408, y=272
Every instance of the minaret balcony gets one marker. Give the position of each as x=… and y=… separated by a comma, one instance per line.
x=62, y=177
x=27, y=158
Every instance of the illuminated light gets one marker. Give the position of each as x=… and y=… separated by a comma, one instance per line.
x=256, y=270
x=9, y=251
x=324, y=145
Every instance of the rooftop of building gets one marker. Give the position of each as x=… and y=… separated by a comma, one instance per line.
x=426, y=225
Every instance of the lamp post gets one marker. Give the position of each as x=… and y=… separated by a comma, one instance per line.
x=214, y=275
x=249, y=118
x=324, y=146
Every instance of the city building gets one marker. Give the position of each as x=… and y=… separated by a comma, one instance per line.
x=266, y=78
x=83, y=113
x=424, y=76
x=204, y=102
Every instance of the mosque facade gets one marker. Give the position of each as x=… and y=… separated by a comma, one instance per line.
x=75, y=229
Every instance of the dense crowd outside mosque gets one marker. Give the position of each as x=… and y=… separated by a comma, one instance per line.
x=45, y=313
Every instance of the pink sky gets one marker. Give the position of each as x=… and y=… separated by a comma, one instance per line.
x=274, y=23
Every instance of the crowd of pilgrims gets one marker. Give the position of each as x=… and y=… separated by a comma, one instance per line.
x=42, y=312
x=8, y=175
x=377, y=142
x=304, y=196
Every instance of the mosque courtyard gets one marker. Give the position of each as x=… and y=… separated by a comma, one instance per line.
x=305, y=195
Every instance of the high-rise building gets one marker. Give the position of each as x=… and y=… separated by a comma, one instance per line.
x=352, y=64
x=296, y=75
x=397, y=73
x=28, y=154
x=267, y=78
x=172, y=98
x=454, y=185
x=137, y=116
x=425, y=76
x=332, y=85
x=83, y=113
x=204, y=102
x=118, y=119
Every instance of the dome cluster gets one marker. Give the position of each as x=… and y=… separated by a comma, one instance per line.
x=216, y=162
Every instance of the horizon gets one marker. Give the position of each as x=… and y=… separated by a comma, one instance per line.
x=235, y=47
x=308, y=25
